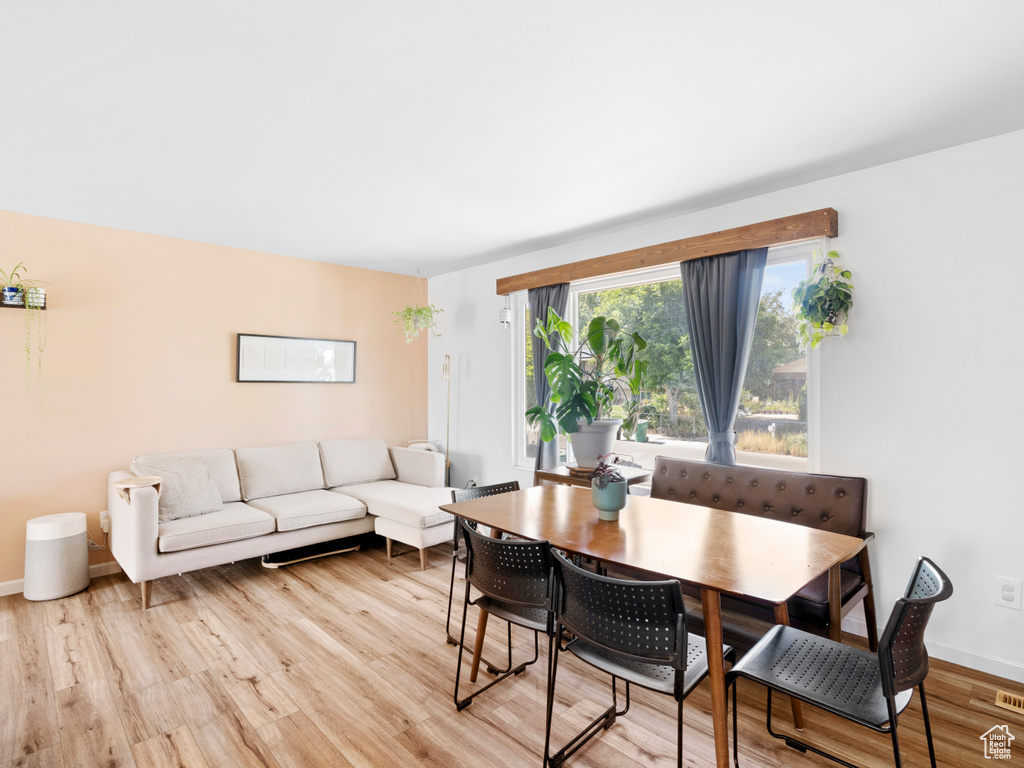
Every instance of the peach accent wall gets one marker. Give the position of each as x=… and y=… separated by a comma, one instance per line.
x=141, y=358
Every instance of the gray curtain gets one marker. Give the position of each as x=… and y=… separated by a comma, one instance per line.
x=542, y=299
x=721, y=296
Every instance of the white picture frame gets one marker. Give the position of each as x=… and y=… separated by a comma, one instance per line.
x=296, y=360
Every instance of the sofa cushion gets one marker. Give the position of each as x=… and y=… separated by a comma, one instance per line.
x=221, y=464
x=279, y=469
x=413, y=505
x=236, y=521
x=348, y=462
x=304, y=510
x=187, y=489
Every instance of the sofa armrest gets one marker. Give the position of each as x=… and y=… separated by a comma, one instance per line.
x=134, y=528
x=418, y=467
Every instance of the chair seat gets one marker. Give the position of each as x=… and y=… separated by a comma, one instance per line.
x=839, y=678
x=521, y=615
x=656, y=677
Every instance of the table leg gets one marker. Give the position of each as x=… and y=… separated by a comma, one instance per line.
x=481, y=630
x=782, y=617
x=478, y=647
x=711, y=602
x=835, y=604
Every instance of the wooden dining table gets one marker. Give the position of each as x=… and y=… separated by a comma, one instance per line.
x=719, y=552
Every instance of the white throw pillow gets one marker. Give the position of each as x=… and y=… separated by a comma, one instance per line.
x=187, y=490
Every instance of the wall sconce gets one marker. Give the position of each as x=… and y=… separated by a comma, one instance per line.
x=505, y=313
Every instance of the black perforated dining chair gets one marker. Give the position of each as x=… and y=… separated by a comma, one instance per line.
x=633, y=630
x=459, y=552
x=867, y=688
x=515, y=580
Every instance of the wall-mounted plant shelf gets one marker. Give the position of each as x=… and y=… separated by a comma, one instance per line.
x=19, y=306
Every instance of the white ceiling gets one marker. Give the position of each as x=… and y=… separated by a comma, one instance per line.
x=430, y=135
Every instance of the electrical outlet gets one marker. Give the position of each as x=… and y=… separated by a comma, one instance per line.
x=105, y=521
x=1008, y=592
x=472, y=483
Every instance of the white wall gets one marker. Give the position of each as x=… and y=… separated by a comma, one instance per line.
x=935, y=247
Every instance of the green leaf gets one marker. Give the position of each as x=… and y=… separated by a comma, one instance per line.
x=537, y=415
x=599, y=335
x=563, y=374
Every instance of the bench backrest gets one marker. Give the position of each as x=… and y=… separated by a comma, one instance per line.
x=829, y=502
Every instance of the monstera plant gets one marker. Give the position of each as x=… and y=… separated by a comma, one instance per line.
x=584, y=382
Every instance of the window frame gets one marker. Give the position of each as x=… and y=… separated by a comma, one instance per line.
x=781, y=254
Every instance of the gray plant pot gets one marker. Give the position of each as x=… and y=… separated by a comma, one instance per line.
x=592, y=440
x=610, y=500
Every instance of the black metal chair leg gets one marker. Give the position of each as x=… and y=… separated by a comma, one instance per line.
x=552, y=673
x=602, y=722
x=462, y=645
x=679, y=736
x=461, y=704
x=927, y=724
x=492, y=668
x=891, y=704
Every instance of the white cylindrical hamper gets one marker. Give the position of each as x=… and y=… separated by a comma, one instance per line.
x=56, y=556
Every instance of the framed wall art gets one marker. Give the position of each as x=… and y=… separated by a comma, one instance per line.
x=293, y=359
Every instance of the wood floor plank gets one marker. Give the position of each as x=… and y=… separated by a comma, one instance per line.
x=90, y=730
x=253, y=690
x=169, y=648
x=175, y=595
x=29, y=722
x=147, y=713
x=201, y=699
x=231, y=742
x=121, y=647
x=69, y=643
x=16, y=617
x=51, y=757
x=262, y=639
x=395, y=709
x=341, y=718
x=174, y=749
x=297, y=743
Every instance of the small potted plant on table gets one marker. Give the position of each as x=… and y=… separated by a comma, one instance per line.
x=608, y=489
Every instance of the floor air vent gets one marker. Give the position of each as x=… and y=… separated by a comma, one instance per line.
x=1010, y=702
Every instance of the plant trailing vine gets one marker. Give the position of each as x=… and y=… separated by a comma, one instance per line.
x=822, y=303
x=22, y=292
x=35, y=319
x=415, y=319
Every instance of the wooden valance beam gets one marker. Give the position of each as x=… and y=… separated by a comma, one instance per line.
x=790, y=229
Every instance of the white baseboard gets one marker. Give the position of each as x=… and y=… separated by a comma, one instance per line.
x=993, y=665
x=17, y=586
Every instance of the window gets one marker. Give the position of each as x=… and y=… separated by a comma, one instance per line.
x=771, y=424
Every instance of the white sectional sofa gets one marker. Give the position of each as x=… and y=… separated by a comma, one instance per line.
x=215, y=507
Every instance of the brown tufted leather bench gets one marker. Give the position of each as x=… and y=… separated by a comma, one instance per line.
x=827, y=502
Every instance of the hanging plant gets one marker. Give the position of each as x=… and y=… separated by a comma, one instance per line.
x=414, y=319
x=19, y=291
x=822, y=304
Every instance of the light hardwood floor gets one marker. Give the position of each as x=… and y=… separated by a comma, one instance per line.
x=342, y=662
